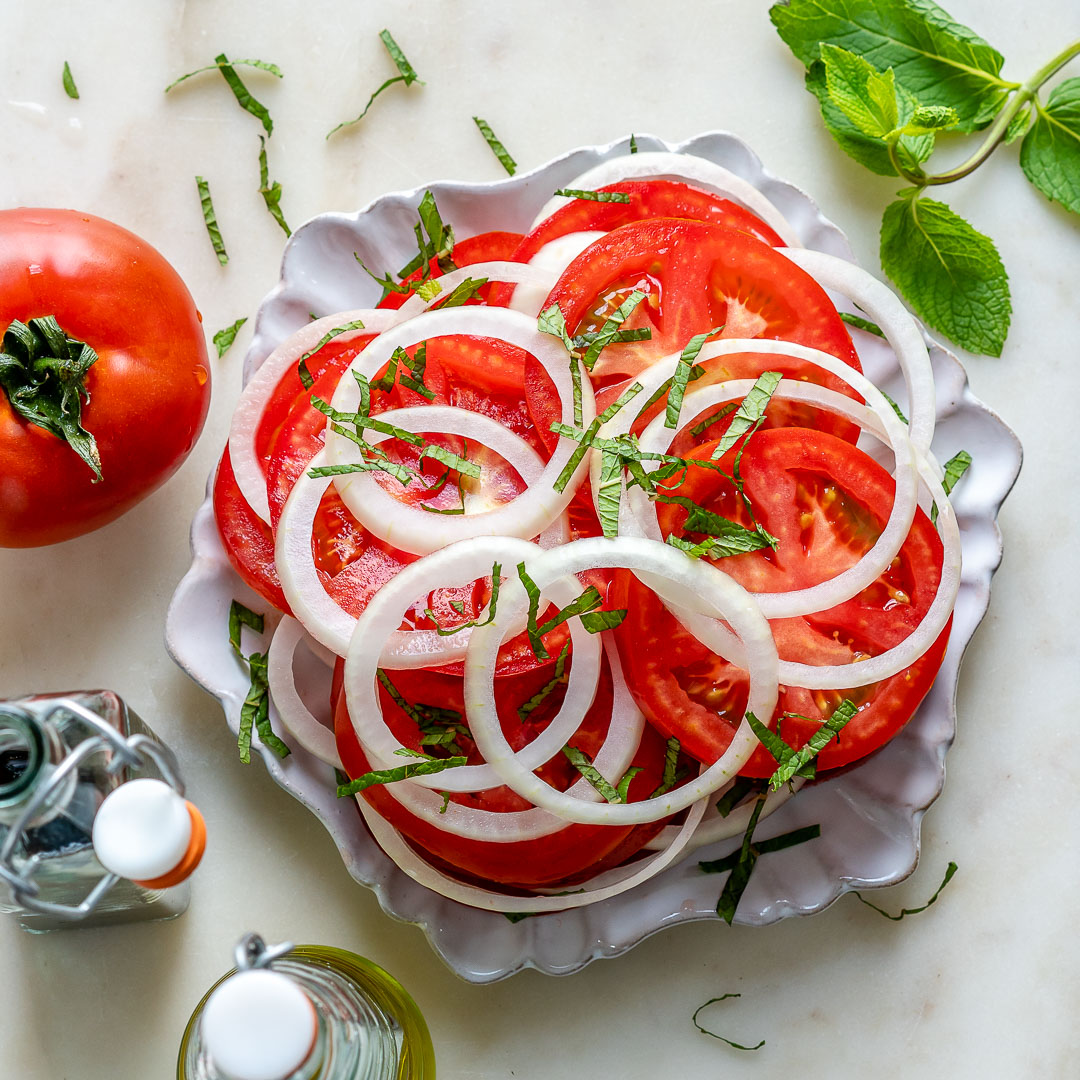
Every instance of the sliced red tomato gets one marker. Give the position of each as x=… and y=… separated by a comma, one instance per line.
x=486, y=247
x=826, y=502
x=648, y=199
x=697, y=276
x=561, y=857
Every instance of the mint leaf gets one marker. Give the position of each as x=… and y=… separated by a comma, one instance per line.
x=867, y=150
x=210, y=218
x=938, y=60
x=68, y=79
x=407, y=75
x=928, y=118
x=951, y=274
x=1018, y=125
x=497, y=148
x=867, y=97
x=1050, y=152
x=223, y=339
x=950, y=870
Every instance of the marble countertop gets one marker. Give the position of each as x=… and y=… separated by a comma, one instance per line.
x=982, y=985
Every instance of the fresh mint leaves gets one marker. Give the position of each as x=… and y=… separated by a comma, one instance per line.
x=497, y=148
x=224, y=338
x=406, y=74
x=255, y=712
x=950, y=273
x=892, y=75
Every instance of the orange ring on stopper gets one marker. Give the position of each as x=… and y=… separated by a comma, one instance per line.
x=192, y=857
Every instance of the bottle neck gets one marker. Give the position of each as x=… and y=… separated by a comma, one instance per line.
x=26, y=755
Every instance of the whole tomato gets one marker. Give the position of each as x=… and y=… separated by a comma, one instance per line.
x=132, y=414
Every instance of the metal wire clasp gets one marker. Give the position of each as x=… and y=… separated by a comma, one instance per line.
x=135, y=751
x=252, y=952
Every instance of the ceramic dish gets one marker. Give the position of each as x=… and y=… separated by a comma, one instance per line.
x=870, y=815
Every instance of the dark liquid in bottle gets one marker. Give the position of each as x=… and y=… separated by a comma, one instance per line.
x=12, y=765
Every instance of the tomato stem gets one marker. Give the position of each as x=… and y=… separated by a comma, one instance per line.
x=43, y=372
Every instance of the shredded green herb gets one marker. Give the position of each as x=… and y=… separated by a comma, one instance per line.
x=560, y=679
x=672, y=775
x=271, y=193
x=255, y=712
x=583, y=763
x=949, y=872
x=497, y=148
x=492, y=604
x=244, y=96
x=955, y=468
x=682, y=375
x=423, y=766
x=70, y=88
x=862, y=324
x=211, y=220
x=712, y=1034
x=594, y=196
x=406, y=74
x=223, y=339
x=262, y=65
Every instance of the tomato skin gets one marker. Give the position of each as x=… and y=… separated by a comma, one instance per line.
x=149, y=390
x=688, y=692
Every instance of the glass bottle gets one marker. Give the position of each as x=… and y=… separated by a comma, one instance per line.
x=303, y=1012
x=89, y=800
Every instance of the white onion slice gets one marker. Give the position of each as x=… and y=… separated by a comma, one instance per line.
x=330, y=625
x=533, y=278
x=901, y=656
x=848, y=583
x=553, y=258
x=313, y=736
x=613, y=759
x=250, y=477
x=901, y=331
x=400, y=523
x=605, y=885
x=696, y=171
x=527, y=515
x=720, y=595
x=455, y=565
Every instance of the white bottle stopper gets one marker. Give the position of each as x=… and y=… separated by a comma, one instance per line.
x=259, y=1025
x=142, y=830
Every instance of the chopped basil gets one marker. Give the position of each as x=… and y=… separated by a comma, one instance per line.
x=671, y=774
x=633, y=144
x=445, y=801
x=895, y=408
x=792, y=762
x=70, y=88
x=589, y=600
x=955, y=468
x=583, y=763
x=356, y=324
x=240, y=616
x=712, y=1034
x=451, y=460
x=255, y=711
x=242, y=94
x=950, y=870
x=417, y=366
x=464, y=292
x=682, y=375
x=595, y=622
x=741, y=787
x=271, y=193
x=862, y=324
x=700, y=428
x=492, y=604
x=750, y=413
x=221, y=62
x=406, y=74
x=497, y=148
x=425, y=766
x=223, y=339
x=594, y=196
x=542, y=694
x=610, y=330
x=731, y=538
x=211, y=220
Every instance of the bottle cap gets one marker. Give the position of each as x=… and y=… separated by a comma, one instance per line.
x=259, y=1025
x=147, y=832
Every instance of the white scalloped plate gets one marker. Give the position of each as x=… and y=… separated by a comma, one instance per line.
x=870, y=815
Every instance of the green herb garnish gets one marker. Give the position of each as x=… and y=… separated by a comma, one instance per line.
x=242, y=94
x=955, y=468
x=862, y=324
x=262, y=65
x=423, y=766
x=271, y=193
x=583, y=763
x=70, y=88
x=892, y=76
x=712, y=1034
x=405, y=75
x=682, y=375
x=584, y=606
x=211, y=220
x=497, y=148
x=496, y=580
x=671, y=774
x=255, y=712
x=594, y=196
x=223, y=339
x=950, y=870
x=561, y=677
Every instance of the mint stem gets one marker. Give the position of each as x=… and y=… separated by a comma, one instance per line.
x=996, y=132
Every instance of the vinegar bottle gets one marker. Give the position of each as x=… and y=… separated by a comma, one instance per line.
x=94, y=828
x=304, y=1012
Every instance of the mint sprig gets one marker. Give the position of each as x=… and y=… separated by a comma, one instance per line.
x=893, y=75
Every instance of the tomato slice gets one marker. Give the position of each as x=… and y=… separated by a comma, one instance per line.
x=826, y=502
x=561, y=857
x=697, y=276
x=485, y=247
